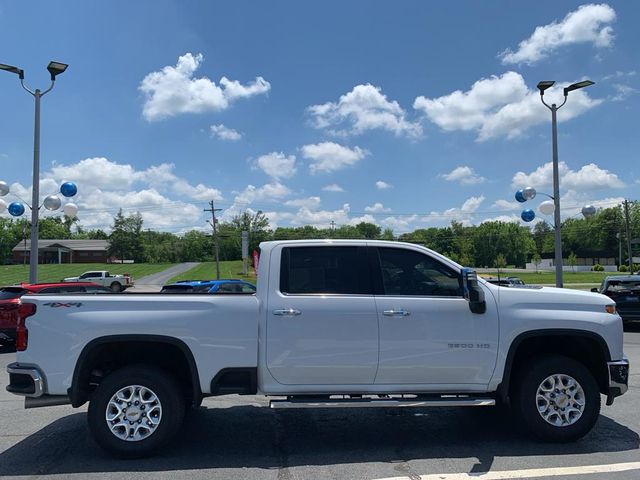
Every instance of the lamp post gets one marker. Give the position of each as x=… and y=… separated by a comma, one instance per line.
x=55, y=69
x=542, y=86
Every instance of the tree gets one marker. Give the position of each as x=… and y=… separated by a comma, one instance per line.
x=257, y=224
x=387, y=234
x=500, y=262
x=125, y=241
x=573, y=261
x=369, y=230
x=537, y=260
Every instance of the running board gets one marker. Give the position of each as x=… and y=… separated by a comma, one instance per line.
x=383, y=402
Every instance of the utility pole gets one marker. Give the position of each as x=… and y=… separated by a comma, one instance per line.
x=626, y=223
x=213, y=222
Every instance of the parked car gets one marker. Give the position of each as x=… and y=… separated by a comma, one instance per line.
x=334, y=324
x=10, y=301
x=506, y=282
x=117, y=283
x=210, y=286
x=625, y=291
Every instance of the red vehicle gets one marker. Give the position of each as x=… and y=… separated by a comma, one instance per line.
x=10, y=301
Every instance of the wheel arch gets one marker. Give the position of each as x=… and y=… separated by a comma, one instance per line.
x=547, y=341
x=79, y=391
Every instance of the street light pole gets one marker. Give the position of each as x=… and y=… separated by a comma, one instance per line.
x=55, y=69
x=542, y=86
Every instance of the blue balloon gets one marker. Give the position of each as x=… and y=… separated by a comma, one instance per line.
x=15, y=209
x=68, y=189
x=528, y=215
x=520, y=196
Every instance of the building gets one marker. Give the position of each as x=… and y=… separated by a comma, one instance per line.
x=64, y=251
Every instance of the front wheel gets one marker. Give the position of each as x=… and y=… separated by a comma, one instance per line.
x=557, y=398
x=135, y=411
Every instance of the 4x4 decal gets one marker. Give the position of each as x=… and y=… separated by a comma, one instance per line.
x=61, y=304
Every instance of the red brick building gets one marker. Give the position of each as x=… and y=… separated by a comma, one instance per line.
x=64, y=251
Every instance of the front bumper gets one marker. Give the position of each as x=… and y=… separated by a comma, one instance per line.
x=618, y=379
x=25, y=380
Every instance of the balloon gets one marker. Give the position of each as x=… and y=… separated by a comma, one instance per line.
x=52, y=202
x=520, y=196
x=529, y=193
x=547, y=207
x=4, y=189
x=588, y=211
x=16, y=209
x=3, y=206
x=528, y=215
x=68, y=189
x=70, y=210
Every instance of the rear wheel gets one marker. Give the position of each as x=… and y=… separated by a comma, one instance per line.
x=116, y=287
x=557, y=398
x=135, y=411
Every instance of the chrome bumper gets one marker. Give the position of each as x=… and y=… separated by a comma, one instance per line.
x=27, y=381
x=618, y=378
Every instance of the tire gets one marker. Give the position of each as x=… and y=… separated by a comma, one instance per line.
x=571, y=411
x=163, y=421
x=116, y=287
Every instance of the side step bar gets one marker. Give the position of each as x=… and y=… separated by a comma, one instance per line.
x=452, y=401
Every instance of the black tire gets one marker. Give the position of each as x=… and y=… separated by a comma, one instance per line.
x=171, y=400
x=525, y=398
x=116, y=287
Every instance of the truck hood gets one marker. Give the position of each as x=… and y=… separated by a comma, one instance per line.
x=553, y=298
x=71, y=279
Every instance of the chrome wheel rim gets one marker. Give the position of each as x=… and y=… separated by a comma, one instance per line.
x=560, y=400
x=133, y=413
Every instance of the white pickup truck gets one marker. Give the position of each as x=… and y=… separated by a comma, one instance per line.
x=117, y=283
x=334, y=323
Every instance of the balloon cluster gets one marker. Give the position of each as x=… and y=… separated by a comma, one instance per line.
x=548, y=207
x=51, y=203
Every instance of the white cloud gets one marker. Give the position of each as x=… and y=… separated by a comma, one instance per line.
x=328, y=157
x=623, y=92
x=225, y=133
x=362, y=109
x=506, y=205
x=334, y=187
x=463, y=175
x=462, y=214
x=382, y=185
x=311, y=203
x=376, y=208
x=588, y=24
x=277, y=165
x=589, y=177
x=173, y=90
x=500, y=107
x=268, y=192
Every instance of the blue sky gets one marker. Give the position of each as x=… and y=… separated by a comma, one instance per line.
x=408, y=114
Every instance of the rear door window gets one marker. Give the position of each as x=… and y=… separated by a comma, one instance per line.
x=325, y=270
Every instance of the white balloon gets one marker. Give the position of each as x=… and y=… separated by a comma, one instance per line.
x=52, y=202
x=70, y=210
x=589, y=211
x=547, y=207
x=3, y=206
x=4, y=189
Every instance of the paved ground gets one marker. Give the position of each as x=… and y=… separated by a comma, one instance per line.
x=152, y=283
x=236, y=438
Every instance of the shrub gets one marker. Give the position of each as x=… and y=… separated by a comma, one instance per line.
x=598, y=268
x=623, y=268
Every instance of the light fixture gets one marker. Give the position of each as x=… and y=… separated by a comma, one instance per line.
x=56, y=68
x=543, y=85
x=12, y=69
x=577, y=85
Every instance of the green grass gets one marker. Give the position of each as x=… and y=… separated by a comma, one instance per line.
x=550, y=277
x=10, y=274
x=207, y=271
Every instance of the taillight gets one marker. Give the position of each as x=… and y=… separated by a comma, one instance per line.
x=22, y=334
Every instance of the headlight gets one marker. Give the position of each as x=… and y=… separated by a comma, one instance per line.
x=610, y=308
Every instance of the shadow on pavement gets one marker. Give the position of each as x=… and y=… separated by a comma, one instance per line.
x=258, y=437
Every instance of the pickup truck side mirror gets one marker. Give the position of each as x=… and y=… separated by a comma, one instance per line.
x=473, y=293
x=595, y=290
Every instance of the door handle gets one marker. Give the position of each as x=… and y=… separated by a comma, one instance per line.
x=397, y=313
x=287, y=312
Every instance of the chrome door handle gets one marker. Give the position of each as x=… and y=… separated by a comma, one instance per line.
x=397, y=313
x=287, y=312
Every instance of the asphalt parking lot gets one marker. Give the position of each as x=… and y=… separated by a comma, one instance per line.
x=236, y=437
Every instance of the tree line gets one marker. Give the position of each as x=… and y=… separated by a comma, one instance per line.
x=488, y=244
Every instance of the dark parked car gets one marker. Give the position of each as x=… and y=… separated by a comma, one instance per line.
x=210, y=286
x=506, y=282
x=10, y=301
x=625, y=291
